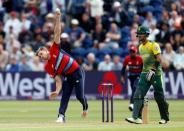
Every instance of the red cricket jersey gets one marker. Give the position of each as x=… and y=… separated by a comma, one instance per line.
x=134, y=64
x=60, y=62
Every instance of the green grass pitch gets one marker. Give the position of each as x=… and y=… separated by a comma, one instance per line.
x=41, y=116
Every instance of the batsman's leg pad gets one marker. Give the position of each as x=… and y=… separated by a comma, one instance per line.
x=138, y=94
x=138, y=104
x=162, y=105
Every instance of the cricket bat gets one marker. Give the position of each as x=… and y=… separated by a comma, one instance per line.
x=145, y=112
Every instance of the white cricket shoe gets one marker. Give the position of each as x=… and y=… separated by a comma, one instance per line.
x=138, y=121
x=61, y=119
x=162, y=121
x=131, y=107
x=135, y=121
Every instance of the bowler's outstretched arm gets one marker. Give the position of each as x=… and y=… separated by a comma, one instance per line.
x=57, y=28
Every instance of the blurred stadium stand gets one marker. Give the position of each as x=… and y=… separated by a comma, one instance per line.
x=28, y=24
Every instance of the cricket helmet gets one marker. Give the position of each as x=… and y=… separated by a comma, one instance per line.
x=143, y=30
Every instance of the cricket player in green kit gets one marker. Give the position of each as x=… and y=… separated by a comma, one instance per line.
x=150, y=75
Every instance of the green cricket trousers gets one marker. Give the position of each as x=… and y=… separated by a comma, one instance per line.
x=143, y=87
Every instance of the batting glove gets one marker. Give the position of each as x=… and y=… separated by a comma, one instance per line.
x=150, y=74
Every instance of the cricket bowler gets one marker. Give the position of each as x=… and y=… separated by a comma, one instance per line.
x=150, y=75
x=65, y=70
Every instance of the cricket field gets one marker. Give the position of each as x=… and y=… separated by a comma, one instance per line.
x=41, y=116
